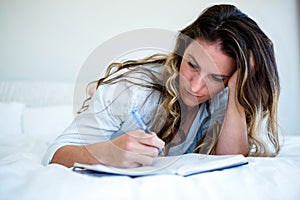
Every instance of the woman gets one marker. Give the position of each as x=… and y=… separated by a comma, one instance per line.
x=211, y=95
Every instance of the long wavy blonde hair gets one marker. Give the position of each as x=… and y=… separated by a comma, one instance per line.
x=258, y=82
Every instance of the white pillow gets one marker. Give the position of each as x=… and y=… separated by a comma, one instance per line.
x=46, y=123
x=10, y=118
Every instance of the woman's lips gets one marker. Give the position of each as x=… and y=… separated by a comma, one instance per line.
x=191, y=94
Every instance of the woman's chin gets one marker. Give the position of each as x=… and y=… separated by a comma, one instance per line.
x=190, y=102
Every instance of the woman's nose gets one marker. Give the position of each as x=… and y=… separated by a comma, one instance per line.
x=197, y=83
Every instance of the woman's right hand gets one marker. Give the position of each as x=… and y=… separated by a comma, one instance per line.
x=132, y=149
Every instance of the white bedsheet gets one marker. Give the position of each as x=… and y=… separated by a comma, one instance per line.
x=23, y=177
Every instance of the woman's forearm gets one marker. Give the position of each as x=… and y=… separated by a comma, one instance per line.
x=233, y=137
x=68, y=155
x=132, y=149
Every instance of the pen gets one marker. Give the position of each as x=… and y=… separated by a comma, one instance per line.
x=143, y=126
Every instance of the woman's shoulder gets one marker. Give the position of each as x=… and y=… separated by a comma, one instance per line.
x=132, y=86
x=143, y=74
x=147, y=71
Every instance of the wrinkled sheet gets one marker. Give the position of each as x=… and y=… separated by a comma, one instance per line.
x=23, y=177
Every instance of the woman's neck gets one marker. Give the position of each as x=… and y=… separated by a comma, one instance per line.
x=192, y=109
x=188, y=117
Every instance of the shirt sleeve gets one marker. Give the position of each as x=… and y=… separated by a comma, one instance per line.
x=108, y=115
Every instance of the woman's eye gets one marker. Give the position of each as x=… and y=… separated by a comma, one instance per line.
x=191, y=65
x=217, y=79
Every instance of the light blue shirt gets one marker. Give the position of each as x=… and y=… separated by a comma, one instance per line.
x=109, y=114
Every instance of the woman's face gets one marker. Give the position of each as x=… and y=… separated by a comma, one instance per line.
x=204, y=71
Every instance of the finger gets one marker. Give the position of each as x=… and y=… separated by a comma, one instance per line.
x=144, y=143
x=141, y=160
x=149, y=151
x=136, y=156
x=139, y=148
x=152, y=141
x=146, y=138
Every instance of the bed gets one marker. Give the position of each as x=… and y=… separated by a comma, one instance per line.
x=34, y=113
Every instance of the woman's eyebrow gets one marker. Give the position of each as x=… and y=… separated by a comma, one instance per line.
x=196, y=64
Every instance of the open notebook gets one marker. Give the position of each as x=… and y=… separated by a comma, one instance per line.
x=183, y=165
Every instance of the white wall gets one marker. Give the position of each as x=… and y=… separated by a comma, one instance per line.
x=50, y=40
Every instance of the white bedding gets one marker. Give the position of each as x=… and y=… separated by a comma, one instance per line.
x=23, y=177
